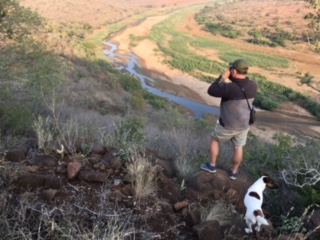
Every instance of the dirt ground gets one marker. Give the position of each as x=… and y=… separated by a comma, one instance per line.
x=99, y=12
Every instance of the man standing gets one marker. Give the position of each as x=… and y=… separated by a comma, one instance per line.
x=233, y=123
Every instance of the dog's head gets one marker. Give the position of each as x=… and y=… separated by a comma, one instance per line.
x=269, y=182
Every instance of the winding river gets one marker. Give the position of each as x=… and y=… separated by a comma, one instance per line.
x=130, y=63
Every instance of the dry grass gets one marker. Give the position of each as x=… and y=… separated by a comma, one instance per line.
x=142, y=173
x=219, y=211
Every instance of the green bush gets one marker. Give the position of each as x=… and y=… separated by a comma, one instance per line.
x=129, y=132
x=130, y=84
x=137, y=100
x=156, y=102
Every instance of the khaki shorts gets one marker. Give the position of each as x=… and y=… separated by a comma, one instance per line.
x=239, y=138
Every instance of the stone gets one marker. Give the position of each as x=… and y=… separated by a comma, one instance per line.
x=180, y=205
x=15, y=155
x=49, y=194
x=232, y=196
x=37, y=180
x=73, y=170
x=91, y=176
x=168, y=167
x=43, y=161
x=98, y=149
x=208, y=230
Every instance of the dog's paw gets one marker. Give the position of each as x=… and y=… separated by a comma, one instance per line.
x=248, y=230
x=257, y=228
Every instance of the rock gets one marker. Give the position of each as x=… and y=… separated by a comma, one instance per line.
x=94, y=158
x=116, y=163
x=185, y=212
x=107, y=157
x=15, y=155
x=99, y=166
x=208, y=230
x=33, y=169
x=204, y=183
x=127, y=190
x=98, y=149
x=180, y=205
x=266, y=232
x=73, y=170
x=168, y=167
x=49, y=194
x=36, y=180
x=166, y=207
x=43, y=161
x=117, y=196
x=91, y=176
x=232, y=196
x=195, y=216
x=63, y=168
x=127, y=179
x=171, y=191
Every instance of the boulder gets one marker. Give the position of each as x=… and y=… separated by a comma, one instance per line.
x=208, y=185
x=98, y=149
x=37, y=180
x=15, y=155
x=167, y=167
x=91, y=176
x=43, y=161
x=73, y=170
x=209, y=230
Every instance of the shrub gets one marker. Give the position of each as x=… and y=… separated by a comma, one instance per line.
x=143, y=174
x=219, y=211
x=129, y=133
x=44, y=133
x=137, y=100
x=307, y=79
x=130, y=84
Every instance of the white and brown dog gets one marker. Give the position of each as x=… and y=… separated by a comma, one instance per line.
x=253, y=202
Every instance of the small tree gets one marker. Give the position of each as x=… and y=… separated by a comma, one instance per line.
x=15, y=20
x=315, y=21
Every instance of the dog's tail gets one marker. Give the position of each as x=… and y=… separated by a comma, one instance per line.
x=260, y=217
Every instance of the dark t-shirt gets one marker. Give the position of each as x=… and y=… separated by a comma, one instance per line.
x=234, y=110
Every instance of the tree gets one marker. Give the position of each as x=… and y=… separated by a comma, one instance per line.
x=15, y=20
x=315, y=21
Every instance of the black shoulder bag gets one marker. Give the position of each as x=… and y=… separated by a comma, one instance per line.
x=252, y=110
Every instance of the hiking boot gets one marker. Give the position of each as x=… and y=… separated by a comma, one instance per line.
x=233, y=176
x=208, y=167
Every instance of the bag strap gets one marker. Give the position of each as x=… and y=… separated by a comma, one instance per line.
x=242, y=89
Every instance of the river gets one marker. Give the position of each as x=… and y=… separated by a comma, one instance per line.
x=130, y=64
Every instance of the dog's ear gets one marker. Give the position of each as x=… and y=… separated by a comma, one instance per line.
x=266, y=179
x=269, y=182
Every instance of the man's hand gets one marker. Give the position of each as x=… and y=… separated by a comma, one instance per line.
x=227, y=74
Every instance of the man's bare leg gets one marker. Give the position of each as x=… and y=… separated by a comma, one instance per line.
x=237, y=158
x=214, y=151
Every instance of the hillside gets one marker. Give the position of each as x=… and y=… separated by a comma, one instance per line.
x=87, y=153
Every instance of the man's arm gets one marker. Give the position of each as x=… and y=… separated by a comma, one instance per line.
x=218, y=87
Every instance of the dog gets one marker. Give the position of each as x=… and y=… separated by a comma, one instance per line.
x=253, y=201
